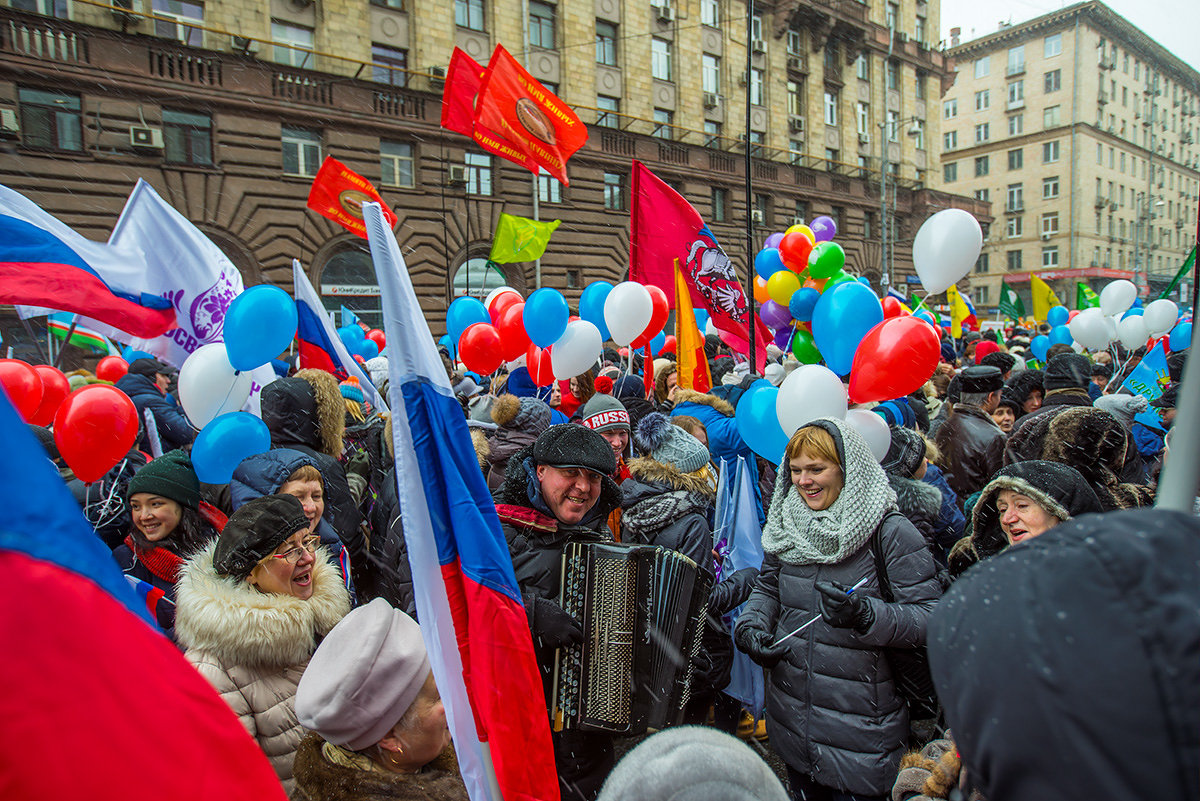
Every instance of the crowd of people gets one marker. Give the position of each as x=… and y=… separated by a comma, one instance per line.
x=289, y=588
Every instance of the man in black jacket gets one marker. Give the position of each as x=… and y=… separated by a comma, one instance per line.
x=146, y=385
x=971, y=443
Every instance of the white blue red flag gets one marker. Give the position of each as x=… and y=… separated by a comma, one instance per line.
x=468, y=601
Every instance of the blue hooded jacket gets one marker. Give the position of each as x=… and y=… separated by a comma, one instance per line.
x=264, y=473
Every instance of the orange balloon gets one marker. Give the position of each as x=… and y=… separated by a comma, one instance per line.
x=761, y=295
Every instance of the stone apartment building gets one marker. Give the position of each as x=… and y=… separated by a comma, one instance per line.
x=1082, y=132
x=229, y=106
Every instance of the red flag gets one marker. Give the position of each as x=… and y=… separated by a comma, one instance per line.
x=463, y=80
x=541, y=126
x=338, y=193
x=664, y=227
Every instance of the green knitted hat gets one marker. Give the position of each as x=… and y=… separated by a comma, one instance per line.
x=171, y=476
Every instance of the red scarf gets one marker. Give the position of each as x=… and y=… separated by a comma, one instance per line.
x=158, y=560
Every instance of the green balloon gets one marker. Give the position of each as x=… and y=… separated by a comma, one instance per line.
x=839, y=277
x=826, y=260
x=804, y=349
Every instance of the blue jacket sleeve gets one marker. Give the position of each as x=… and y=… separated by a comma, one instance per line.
x=1149, y=442
x=724, y=440
x=173, y=425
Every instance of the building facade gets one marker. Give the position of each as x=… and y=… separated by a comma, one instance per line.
x=1082, y=132
x=228, y=107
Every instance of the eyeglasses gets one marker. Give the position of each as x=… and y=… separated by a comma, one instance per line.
x=293, y=555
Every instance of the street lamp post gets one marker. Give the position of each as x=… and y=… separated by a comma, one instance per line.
x=885, y=232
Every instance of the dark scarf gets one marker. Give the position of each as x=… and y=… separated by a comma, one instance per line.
x=158, y=560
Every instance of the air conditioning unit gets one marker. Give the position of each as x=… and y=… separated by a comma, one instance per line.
x=665, y=12
x=744, y=78
x=796, y=125
x=145, y=136
x=757, y=217
x=1045, y=236
x=711, y=100
x=9, y=126
x=437, y=73
x=1101, y=202
x=758, y=45
x=1112, y=206
x=795, y=63
x=457, y=175
x=903, y=37
x=864, y=139
x=798, y=221
x=243, y=45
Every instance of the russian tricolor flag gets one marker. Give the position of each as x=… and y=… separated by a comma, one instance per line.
x=44, y=262
x=468, y=602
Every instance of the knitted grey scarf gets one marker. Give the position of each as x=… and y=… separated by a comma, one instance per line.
x=800, y=536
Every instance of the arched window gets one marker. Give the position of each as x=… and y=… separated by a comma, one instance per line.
x=477, y=277
x=348, y=280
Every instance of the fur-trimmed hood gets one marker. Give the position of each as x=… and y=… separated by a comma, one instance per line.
x=916, y=496
x=704, y=399
x=514, y=492
x=647, y=471
x=241, y=626
x=320, y=778
x=307, y=409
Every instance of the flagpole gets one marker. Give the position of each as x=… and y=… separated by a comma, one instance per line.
x=750, y=329
x=67, y=341
x=33, y=337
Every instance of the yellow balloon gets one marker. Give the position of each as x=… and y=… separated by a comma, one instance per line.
x=782, y=285
x=804, y=229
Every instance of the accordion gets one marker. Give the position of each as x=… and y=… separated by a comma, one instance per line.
x=642, y=609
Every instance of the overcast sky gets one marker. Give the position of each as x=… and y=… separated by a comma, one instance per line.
x=1175, y=24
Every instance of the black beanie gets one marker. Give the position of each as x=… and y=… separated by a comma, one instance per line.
x=171, y=476
x=905, y=453
x=147, y=367
x=1067, y=371
x=255, y=530
x=46, y=438
x=573, y=445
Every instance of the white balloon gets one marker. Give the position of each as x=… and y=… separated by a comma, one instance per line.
x=1089, y=330
x=710, y=328
x=1160, y=317
x=576, y=350
x=1117, y=297
x=1132, y=332
x=873, y=429
x=497, y=292
x=946, y=247
x=627, y=311
x=811, y=391
x=209, y=386
x=1110, y=324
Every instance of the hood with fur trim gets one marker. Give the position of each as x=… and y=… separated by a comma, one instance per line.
x=917, y=497
x=514, y=490
x=648, y=471
x=704, y=399
x=307, y=409
x=241, y=626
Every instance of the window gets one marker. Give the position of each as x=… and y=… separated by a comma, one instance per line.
x=1016, y=159
x=950, y=109
x=541, y=25
x=950, y=172
x=982, y=131
x=549, y=189
x=50, y=8
x=388, y=65
x=662, y=124
x=475, y=277
x=396, y=4
x=1053, y=80
x=1050, y=256
x=919, y=32
x=396, y=164
x=1050, y=152
x=863, y=117
x=893, y=13
x=795, y=43
x=660, y=59
x=180, y=13
x=1016, y=92
x=981, y=166
x=1016, y=59
x=1050, y=187
x=919, y=86
x=981, y=264
x=301, y=151
x=983, y=66
x=756, y=27
x=983, y=100
x=831, y=107
x=1050, y=222
x=757, y=96
x=469, y=14
x=479, y=173
x=756, y=142
x=614, y=191
x=294, y=44
x=720, y=205
x=1051, y=116
x=1013, y=260
x=609, y=108
x=893, y=126
x=893, y=75
x=1014, y=199
x=950, y=140
x=982, y=294
x=710, y=12
x=187, y=137
x=1016, y=124
x=795, y=98
x=710, y=73
x=51, y=119
x=862, y=66
x=606, y=43
x=1052, y=45
x=985, y=196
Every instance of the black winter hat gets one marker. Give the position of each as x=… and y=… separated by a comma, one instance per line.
x=905, y=453
x=46, y=437
x=981, y=379
x=148, y=367
x=1009, y=398
x=573, y=445
x=1001, y=361
x=1067, y=371
x=254, y=531
x=171, y=476
x=1167, y=399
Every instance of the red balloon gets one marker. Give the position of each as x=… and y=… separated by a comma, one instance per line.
x=1071, y=315
x=514, y=342
x=479, y=348
x=111, y=368
x=94, y=428
x=669, y=344
x=23, y=386
x=896, y=357
x=794, y=249
x=537, y=361
x=55, y=389
x=378, y=337
x=503, y=301
x=891, y=307
x=659, y=311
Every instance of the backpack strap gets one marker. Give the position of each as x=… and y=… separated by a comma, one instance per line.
x=881, y=574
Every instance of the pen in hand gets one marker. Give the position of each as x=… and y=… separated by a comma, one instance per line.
x=858, y=584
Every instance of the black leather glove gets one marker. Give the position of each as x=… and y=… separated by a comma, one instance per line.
x=844, y=611
x=552, y=627
x=757, y=644
x=732, y=591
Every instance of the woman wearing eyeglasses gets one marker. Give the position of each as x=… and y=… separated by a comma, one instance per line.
x=251, y=608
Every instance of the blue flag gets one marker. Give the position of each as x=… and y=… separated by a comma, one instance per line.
x=1150, y=375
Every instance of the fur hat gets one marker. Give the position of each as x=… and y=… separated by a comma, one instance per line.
x=572, y=445
x=254, y=531
x=522, y=414
x=604, y=413
x=905, y=453
x=1067, y=371
x=364, y=676
x=1009, y=398
x=665, y=442
x=171, y=476
x=1002, y=361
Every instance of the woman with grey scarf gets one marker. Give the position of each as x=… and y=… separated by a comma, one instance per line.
x=833, y=712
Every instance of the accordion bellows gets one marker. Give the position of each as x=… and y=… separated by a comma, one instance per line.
x=642, y=610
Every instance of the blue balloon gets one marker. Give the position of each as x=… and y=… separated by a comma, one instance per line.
x=463, y=313
x=768, y=262
x=546, y=316
x=927, y=317
x=758, y=423
x=842, y=317
x=222, y=445
x=656, y=344
x=862, y=279
x=1137, y=302
x=351, y=332
x=1060, y=334
x=1181, y=337
x=450, y=345
x=1059, y=315
x=259, y=325
x=130, y=355
x=367, y=348
x=1136, y=311
x=591, y=305
x=701, y=319
x=1039, y=345
x=803, y=301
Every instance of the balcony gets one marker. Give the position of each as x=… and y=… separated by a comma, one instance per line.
x=1014, y=69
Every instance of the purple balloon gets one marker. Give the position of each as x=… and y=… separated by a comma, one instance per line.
x=824, y=229
x=773, y=240
x=774, y=315
x=783, y=337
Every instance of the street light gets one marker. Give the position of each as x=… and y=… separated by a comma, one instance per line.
x=914, y=131
x=1145, y=213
